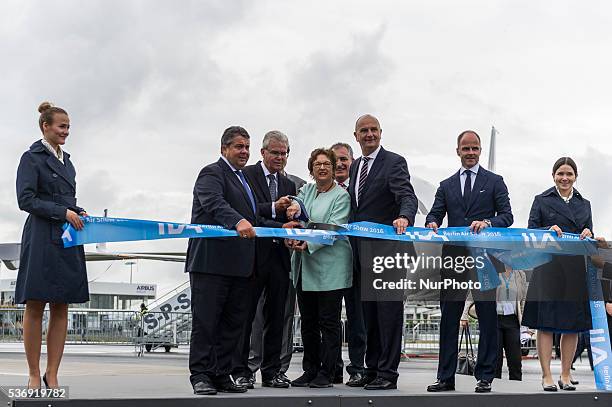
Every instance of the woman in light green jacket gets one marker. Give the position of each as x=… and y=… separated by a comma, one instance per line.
x=320, y=272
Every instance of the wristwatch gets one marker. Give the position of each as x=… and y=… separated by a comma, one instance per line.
x=487, y=221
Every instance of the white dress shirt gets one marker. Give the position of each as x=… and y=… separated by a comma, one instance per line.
x=463, y=176
x=346, y=183
x=372, y=158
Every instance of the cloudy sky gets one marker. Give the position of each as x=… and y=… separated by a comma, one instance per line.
x=150, y=86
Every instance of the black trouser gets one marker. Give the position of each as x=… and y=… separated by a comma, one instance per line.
x=255, y=355
x=509, y=340
x=219, y=307
x=449, y=332
x=383, y=322
x=355, y=327
x=270, y=284
x=321, y=330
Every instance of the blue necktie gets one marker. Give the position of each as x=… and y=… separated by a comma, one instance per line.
x=248, y=189
x=467, y=188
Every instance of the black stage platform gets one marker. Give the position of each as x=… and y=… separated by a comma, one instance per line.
x=161, y=380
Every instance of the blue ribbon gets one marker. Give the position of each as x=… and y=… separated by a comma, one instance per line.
x=100, y=230
x=517, y=248
x=599, y=335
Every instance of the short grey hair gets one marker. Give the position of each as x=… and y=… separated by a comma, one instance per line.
x=277, y=136
x=345, y=145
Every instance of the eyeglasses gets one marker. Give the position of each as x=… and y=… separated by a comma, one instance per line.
x=326, y=164
x=275, y=153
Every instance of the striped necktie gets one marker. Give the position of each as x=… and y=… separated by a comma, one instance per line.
x=363, y=174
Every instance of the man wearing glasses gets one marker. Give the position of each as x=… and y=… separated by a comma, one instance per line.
x=271, y=188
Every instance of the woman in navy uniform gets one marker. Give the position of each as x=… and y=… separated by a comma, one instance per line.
x=557, y=299
x=48, y=273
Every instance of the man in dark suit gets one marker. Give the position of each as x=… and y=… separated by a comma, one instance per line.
x=255, y=355
x=479, y=199
x=352, y=295
x=220, y=269
x=381, y=192
x=271, y=188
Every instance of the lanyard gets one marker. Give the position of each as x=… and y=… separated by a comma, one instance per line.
x=507, y=283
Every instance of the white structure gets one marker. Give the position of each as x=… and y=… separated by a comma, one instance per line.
x=103, y=295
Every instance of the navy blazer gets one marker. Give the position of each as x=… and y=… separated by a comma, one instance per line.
x=489, y=200
x=550, y=209
x=387, y=193
x=219, y=198
x=268, y=248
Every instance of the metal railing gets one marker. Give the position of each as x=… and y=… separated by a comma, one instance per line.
x=166, y=330
x=146, y=331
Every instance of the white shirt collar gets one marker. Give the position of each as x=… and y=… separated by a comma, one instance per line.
x=374, y=153
x=228, y=163
x=345, y=182
x=474, y=169
x=265, y=170
x=564, y=198
x=59, y=153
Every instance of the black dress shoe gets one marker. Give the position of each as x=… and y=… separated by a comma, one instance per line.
x=359, y=380
x=483, y=386
x=276, y=382
x=229, y=387
x=380, y=384
x=303, y=380
x=320, y=382
x=441, y=386
x=203, y=388
x=245, y=382
x=282, y=376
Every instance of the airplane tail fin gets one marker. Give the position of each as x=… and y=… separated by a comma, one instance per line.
x=492, y=149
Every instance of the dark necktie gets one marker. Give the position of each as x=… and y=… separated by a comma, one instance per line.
x=343, y=185
x=363, y=174
x=467, y=188
x=272, y=186
x=247, y=189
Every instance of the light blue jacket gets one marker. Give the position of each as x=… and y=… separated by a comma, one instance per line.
x=324, y=268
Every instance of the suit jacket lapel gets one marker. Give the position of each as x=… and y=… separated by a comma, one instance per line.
x=353, y=179
x=61, y=169
x=234, y=178
x=262, y=182
x=564, y=209
x=479, y=183
x=372, y=173
x=456, y=189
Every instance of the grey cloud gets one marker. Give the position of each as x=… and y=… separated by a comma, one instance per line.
x=332, y=86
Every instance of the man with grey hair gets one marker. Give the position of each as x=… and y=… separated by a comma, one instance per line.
x=271, y=189
x=255, y=355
